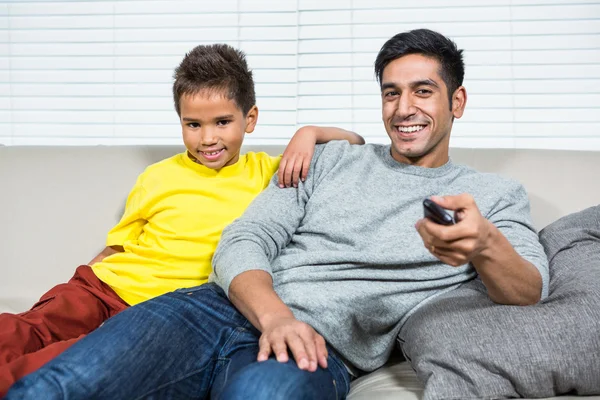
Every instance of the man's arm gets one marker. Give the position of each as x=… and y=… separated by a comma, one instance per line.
x=108, y=251
x=507, y=275
x=296, y=158
x=242, y=265
x=252, y=294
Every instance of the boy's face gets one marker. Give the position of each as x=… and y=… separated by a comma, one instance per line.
x=416, y=110
x=213, y=128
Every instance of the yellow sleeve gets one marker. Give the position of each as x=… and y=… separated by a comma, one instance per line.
x=272, y=165
x=132, y=222
x=274, y=162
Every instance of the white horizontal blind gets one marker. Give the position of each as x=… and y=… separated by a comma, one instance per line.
x=99, y=72
x=532, y=73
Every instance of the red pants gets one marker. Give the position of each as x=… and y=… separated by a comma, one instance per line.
x=63, y=315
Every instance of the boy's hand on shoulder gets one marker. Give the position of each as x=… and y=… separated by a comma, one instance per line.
x=299, y=152
x=296, y=158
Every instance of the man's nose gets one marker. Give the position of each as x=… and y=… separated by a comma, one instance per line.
x=406, y=107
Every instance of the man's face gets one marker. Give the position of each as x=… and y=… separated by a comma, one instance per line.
x=416, y=110
x=213, y=128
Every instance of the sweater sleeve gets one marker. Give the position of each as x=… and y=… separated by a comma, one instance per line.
x=511, y=216
x=255, y=239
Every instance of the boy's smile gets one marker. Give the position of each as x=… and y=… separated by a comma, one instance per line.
x=213, y=127
x=213, y=155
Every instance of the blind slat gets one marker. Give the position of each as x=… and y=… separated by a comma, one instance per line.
x=100, y=72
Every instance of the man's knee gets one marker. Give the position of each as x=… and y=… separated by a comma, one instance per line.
x=276, y=381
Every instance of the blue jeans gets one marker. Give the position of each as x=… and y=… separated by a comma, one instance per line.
x=188, y=344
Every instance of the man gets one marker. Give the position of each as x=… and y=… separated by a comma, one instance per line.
x=328, y=271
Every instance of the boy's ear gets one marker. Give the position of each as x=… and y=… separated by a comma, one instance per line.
x=251, y=119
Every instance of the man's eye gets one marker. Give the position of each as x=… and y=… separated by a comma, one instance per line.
x=223, y=122
x=424, y=91
x=390, y=94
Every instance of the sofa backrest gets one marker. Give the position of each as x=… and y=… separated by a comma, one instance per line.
x=558, y=182
x=57, y=203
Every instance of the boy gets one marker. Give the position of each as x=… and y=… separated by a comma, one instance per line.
x=174, y=215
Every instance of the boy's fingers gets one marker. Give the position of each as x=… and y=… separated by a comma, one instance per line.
x=305, y=167
x=280, y=172
x=287, y=175
x=297, y=171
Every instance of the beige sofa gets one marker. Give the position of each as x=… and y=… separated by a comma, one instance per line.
x=57, y=203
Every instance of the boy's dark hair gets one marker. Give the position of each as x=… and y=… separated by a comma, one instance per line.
x=218, y=67
x=428, y=43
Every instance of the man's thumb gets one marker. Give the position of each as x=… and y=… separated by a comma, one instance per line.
x=449, y=202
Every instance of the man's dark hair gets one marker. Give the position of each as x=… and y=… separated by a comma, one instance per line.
x=217, y=67
x=430, y=44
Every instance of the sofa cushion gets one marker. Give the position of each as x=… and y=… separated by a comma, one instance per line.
x=395, y=381
x=462, y=345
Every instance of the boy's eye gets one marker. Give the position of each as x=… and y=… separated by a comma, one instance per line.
x=223, y=122
x=193, y=125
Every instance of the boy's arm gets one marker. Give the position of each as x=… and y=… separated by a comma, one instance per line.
x=326, y=134
x=108, y=251
x=296, y=158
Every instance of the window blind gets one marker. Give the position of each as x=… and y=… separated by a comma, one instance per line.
x=100, y=72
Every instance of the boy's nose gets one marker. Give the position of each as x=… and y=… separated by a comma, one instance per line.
x=208, y=138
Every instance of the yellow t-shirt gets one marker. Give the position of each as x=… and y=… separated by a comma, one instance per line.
x=173, y=222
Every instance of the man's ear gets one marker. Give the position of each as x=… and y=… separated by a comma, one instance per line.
x=459, y=101
x=251, y=119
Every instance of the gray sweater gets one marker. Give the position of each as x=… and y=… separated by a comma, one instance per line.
x=343, y=250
